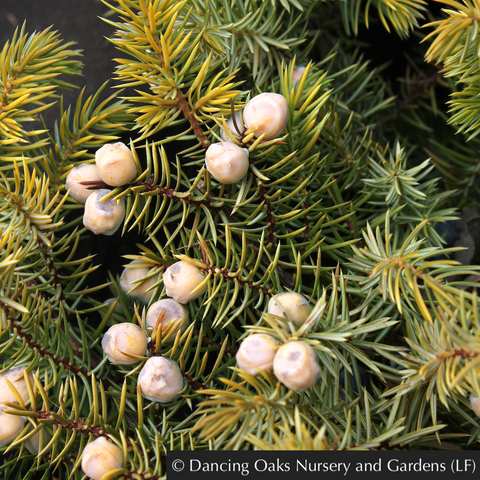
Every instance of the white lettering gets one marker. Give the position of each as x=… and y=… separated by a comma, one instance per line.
x=261, y=465
x=199, y=463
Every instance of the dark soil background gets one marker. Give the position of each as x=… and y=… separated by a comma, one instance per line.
x=77, y=22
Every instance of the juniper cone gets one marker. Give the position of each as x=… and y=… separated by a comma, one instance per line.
x=296, y=366
x=227, y=162
x=160, y=380
x=340, y=204
x=184, y=282
x=103, y=216
x=10, y=427
x=17, y=388
x=235, y=128
x=475, y=403
x=115, y=164
x=123, y=342
x=294, y=305
x=101, y=457
x=76, y=178
x=297, y=74
x=266, y=114
x=38, y=441
x=166, y=315
x=132, y=284
x=257, y=352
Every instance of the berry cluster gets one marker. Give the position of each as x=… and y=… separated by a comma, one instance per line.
x=294, y=363
x=265, y=116
x=160, y=379
x=126, y=343
x=115, y=166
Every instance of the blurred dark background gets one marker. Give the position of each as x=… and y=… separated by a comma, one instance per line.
x=79, y=22
x=76, y=21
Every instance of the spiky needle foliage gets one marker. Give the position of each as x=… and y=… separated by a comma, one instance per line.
x=341, y=208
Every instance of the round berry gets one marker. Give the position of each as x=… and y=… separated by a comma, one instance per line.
x=128, y=281
x=124, y=338
x=267, y=114
x=297, y=74
x=475, y=404
x=81, y=173
x=160, y=380
x=110, y=301
x=232, y=128
x=33, y=443
x=172, y=311
x=295, y=306
x=10, y=427
x=181, y=279
x=227, y=163
x=16, y=378
x=115, y=164
x=103, y=217
x=101, y=457
x=257, y=352
x=296, y=366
